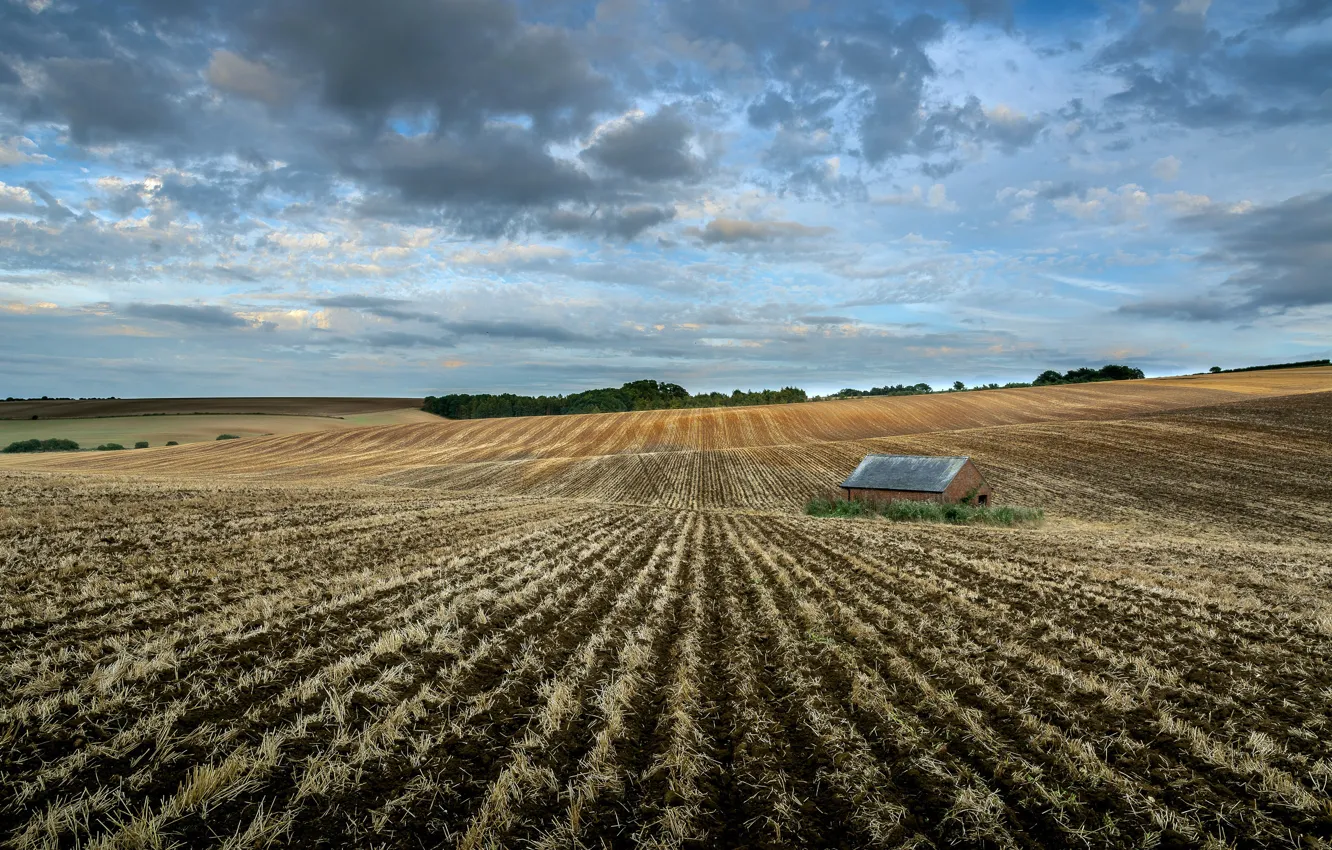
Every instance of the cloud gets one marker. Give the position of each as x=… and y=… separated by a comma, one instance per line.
x=106, y=99
x=1126, y=203
x=469, y=60
x=935, y=198
x=1280, y=254
x=1284, y=251
x=488, y=179
x=647, y=147
x=515, y=330
x=401, y=339
x=995, y=11
x=625, y=222
x=386, y=308
x=1290, y=14
x=1179, y=27
x=233, y=73
x=1184, y=203
x=16, y=199
x=17, y=150
x=205, y=316
x=826, y=320
x=1166, y=168
x=511, y=256
x=731, y=231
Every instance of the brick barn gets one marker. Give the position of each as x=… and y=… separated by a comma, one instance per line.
x=885, y=478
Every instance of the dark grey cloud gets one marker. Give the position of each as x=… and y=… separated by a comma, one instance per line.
x=386, y=308
x=995, y=11
x=105, y=99
x=1166, y=27
x=8, y=76
x=826, y=320
x=620, y=222
x=465, y=60
x=515, y=330
x=890, y=62
x=1286, y=249
x=54, y=210
x=1296, y=13
x=204, y=316
x=770, y=110
x=486, y=181
x=402, y=339
x=652, y=148
x=945, y=128
x=1200, y=309
x=1281, y=252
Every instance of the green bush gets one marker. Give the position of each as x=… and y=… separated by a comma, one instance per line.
x=819, y=506
x=906, y=510
x=110, y=447
x=228, y=436
x=142, y=444
x=172, y=443
x=52, y=445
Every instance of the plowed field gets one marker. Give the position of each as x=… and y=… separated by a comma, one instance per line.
x=656, y=649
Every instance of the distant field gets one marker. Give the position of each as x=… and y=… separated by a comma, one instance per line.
x=189, y=428
x=665, y=435
x=143, y=406
x=620, y=631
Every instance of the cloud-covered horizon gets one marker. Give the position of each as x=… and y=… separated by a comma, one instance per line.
x=318, y=197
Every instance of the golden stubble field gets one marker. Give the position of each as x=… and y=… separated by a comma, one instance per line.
x=308, y=641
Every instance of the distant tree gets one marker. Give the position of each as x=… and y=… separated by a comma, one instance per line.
x=54, y=445
x=228, y=436
x=142, y=444
x=1214, y=369
x=110, y=447
x=958, y=386
x=172, y=443
x=1049, y=376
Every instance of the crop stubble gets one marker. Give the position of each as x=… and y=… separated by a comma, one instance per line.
x=328, y=666
x=669, y=657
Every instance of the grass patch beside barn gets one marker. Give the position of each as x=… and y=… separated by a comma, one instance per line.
x=909, y=511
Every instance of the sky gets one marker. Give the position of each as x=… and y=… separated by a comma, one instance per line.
x=412, y=197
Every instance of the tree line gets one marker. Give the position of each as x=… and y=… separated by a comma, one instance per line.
x=660, y=395
x=635, y=395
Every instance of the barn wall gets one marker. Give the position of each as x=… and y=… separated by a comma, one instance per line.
x=890, y=495
x=967, y=477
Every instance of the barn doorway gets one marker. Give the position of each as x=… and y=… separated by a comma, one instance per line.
x=983, y=501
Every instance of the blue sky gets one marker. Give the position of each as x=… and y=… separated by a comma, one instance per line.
x=314, y=197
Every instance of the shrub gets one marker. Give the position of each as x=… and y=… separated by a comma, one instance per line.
x=228, y=436
x=819, y=506
x=110, y=447
x=907, y=510
x=172, y=443
x=52, y=445
x=142, y=444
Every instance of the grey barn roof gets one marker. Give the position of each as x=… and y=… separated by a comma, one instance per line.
x=905, y=472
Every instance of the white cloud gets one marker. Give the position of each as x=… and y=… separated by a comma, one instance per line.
x=18, y=150
x=1022, y=213
x=1127, y=203
x=1166, y=168
x=300, y=241
x=16, y=199
x=935, y=198
x=1183, y=203
x=510, y=255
